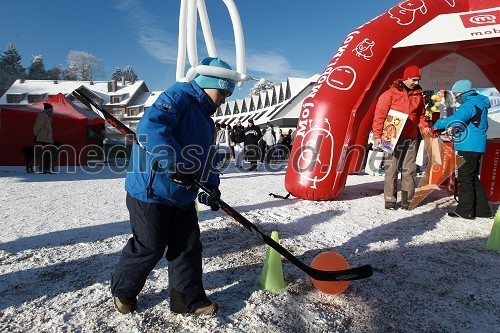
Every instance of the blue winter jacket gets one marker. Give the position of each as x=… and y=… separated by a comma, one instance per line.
x=177, y=128
x=470, y=122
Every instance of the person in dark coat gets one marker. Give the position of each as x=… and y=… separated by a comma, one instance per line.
x=238, y=138
x=42, y=132
x=252, y=137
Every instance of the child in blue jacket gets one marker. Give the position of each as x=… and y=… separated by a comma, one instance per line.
x=470, y=123
x=177, y=135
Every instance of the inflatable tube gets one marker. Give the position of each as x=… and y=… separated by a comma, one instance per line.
x=181, y=43
x=239, y=39
x=332, y=115
x=192, y=20
x=188, y=20
x=218, y=71
x=357, y=151
x=207, y=30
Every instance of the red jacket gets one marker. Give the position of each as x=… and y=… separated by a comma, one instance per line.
x=409, y=102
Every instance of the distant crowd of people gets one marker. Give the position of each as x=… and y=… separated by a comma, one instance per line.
x=251, y=144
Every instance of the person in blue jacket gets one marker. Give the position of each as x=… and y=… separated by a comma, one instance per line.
x=176, y=134
x=470, y=123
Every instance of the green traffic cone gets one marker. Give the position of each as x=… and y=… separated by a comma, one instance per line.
x=197, y=209
x=272, y=273
x=493, y=242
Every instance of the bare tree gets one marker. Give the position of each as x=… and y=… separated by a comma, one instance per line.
x=83, y=66
x=260, y=86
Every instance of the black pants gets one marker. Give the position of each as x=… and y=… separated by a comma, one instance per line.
x=252, y=152
x=156, y=227
x=47, y=152
x=472, y=199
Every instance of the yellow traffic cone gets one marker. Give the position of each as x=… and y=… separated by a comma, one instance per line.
x=493, y=242
x=272, y=273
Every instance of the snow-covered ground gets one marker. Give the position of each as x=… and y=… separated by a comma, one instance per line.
x=61, y=236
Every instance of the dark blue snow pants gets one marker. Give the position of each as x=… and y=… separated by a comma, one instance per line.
x=156, y=227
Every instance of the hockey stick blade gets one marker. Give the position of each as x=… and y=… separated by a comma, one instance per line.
x=356, y=273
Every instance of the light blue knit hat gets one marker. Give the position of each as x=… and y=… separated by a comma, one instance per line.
x=461, y=86
x=207, y=81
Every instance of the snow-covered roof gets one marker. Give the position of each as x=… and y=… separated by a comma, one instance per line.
x=298, y=89
x=147, y=98
x=54, y=87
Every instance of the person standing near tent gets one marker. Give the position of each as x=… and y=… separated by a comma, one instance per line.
x=270, y=140
x=222, y=143
x=471, y=123
x=177, y=132
x=404, y=95
x=238, y=137
x=252, y=137
x=42, y=132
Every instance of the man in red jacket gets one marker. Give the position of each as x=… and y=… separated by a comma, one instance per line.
x=404, y=95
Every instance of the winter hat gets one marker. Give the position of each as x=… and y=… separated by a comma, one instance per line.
x=411, y=71
x=461, y=86
x=47, y=106
x=214, y=82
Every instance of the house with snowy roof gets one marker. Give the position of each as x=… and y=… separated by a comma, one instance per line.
x=125, y=100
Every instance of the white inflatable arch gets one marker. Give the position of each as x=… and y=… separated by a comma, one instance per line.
x=188, y=23
x=336, y=116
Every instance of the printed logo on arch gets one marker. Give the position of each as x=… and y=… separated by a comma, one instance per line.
x=481, y=19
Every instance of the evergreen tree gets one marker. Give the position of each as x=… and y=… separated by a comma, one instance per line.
x=129, y=74
x=117, y=74
x=55, y=73
x=36, y=71
x=10, y=68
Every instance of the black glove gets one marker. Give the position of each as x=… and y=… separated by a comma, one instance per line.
x=210, y=200
x=179, y=175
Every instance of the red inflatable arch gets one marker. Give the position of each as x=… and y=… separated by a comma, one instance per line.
x=336, y=116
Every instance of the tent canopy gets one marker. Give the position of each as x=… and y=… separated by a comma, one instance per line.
x=71, y=126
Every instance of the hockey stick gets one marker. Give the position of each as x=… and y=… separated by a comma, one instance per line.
x=356, y=273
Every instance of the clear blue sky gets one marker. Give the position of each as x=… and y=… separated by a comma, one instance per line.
x=282, y=38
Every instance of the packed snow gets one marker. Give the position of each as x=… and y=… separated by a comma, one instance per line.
x=62, y=235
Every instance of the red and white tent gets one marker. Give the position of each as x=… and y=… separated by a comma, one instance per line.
x=336, y=116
